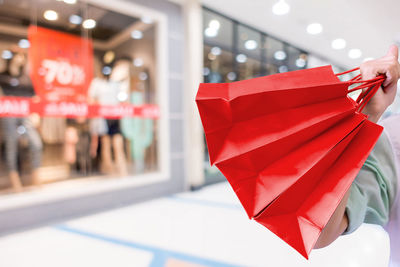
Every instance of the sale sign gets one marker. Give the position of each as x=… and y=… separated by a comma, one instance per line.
x=12, y=106
x=15, y=106
x=61, y=65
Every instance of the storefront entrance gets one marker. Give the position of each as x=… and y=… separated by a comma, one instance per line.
x=90, y=76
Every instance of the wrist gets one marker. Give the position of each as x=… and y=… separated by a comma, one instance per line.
x=373, y=114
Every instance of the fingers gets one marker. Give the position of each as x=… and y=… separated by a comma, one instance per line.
x=390, y=67
x=387, y=65
x=392, y=70
x=393, y=51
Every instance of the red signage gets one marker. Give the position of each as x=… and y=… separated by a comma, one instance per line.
x=15, y=106
x=23, y=106
x=61, y=65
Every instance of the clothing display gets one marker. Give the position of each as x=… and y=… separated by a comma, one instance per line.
x=71, y=139
x=15, y=81
x=113, y=127
x=98, y=126
x=107, y=92
x=16, y=85
x=52, y=130
x=139, y=132
x=13, y=130
x=83, y=159
x=374, y=194
x=104, y=92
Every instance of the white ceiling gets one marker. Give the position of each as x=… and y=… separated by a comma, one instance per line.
x=369, y=25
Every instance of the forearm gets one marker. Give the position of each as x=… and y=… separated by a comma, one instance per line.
x=336, y=225
x=373, y=116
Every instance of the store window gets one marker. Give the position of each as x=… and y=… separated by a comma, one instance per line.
x=218, y=56
x=218, y=30
x=276, y=56
x=297, y=60
x=249, y=53
x=218, y=65
x=78, y=93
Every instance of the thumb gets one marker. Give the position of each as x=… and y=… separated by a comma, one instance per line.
x=393, y=51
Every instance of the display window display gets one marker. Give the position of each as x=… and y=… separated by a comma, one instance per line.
x=78, y=93
x=234, y=51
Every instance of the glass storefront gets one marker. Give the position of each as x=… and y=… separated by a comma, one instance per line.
x=78, y=93
x=233, y=51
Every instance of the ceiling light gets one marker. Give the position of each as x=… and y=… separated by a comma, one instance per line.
x=89, y=23
x=71, y=2
x=106, y=70
x=301, y=63
x=250, y=44
x=280, y=55
x=283, y=69
x=6, y=54
x=216, y=51
x=138, y=62
x=281, y=8
x=146, y=20
x=314, y=28
x=50, y=15
x=241, y=58
x=23, y=43
x=136, y=34
x=108, y=57
x=354, y=53
x=338, y=43
x=75, y=19
x=214, y=24
x=211, y=32
x=231, y=76
x=368, y=59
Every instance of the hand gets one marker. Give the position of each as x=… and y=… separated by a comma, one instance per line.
x=389, y=66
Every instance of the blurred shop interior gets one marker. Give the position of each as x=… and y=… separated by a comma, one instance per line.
x=39, y=149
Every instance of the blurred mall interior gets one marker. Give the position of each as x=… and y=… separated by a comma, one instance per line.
x=100, y=138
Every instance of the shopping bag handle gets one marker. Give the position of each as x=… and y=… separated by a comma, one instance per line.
x=368, y=87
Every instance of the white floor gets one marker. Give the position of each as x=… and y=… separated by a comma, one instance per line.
x=204, y=228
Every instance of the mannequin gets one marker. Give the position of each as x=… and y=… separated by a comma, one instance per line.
x=15, y=81
x=138, y=131
x=105, y=91
x=77, y=145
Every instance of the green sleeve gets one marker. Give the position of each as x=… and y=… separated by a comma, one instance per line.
x=374, y=190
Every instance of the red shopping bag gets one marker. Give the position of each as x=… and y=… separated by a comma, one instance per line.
x=276, y=140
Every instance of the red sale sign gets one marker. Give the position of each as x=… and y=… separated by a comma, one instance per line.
x=24, y=106
x=61, y=65
x=15, y=106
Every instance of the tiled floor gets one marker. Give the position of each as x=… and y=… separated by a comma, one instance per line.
x=204, y=228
